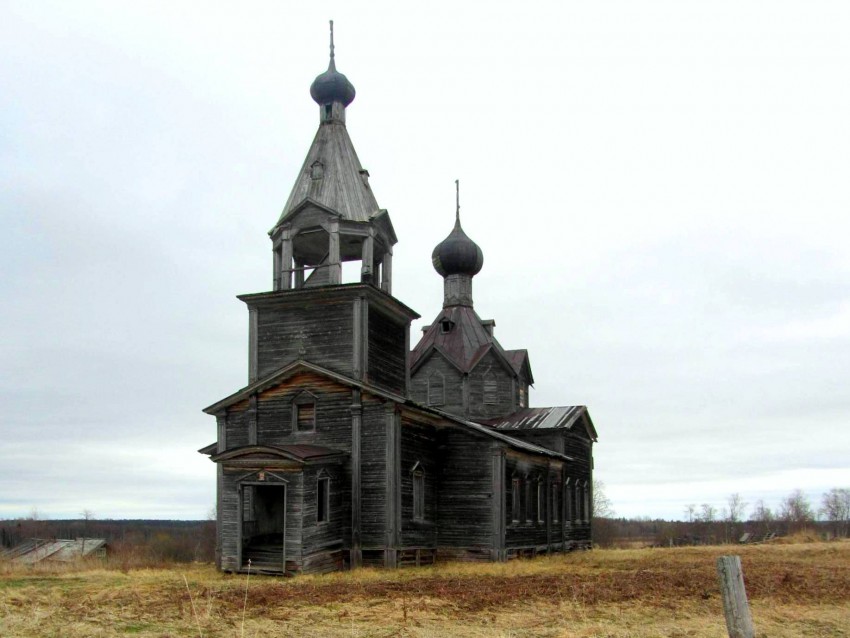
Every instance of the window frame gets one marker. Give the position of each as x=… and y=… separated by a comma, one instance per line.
x=301, y=401
x=323, y=501
x=490, y=395
x=418, y=492
x=438, y=377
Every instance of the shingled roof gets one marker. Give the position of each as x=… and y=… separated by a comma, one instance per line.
x=333, y=178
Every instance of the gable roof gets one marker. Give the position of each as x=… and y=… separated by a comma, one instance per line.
x=464, y=345
x=343, y=186
x=278, y=376
x=559, y=417
x=522, y=365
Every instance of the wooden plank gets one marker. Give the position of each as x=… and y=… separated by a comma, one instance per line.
x=253, y=315
x=356, y=422
x=739, y=622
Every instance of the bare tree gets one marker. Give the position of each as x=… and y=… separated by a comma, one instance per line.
x=737, y=507
x=762, y=513
x=835, y=507
x=601, y=505
x=707, y=513
x=796, y=510
x=690, y=511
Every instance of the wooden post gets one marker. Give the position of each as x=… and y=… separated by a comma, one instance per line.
x=739, y=623
x=356, y=556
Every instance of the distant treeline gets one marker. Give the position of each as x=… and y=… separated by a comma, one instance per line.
x=625, y=532
x=134, y=542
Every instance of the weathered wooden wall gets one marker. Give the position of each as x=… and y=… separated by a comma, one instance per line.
x=419, y=446
x=466, y=497
x=506, y=395
x=453, y=384
x=387, y=351
x=319, y=332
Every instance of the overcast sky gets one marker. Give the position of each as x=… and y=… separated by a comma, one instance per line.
x=660, y=190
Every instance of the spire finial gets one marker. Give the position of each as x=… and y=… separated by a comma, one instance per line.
x=332, y=40
x=457, y=200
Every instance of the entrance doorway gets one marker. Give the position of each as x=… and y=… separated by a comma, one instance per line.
x=264, y=527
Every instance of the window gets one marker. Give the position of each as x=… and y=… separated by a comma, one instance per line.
x=317, y=170
x=527, y=499
x=418, y=493
x=515, y=511
x=522, y=394
x=490, y=388
x=556, y=503
x=568, y=502
x=328, y=111
x=323, y=499
x=541, y=501
x=436, y=389
x=304, y=413
x=445, y=326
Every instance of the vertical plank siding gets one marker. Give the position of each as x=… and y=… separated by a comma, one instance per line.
x=419, y=449
x=453, y=384
x=386, y=367
x=373, y=475
x=505, y=389
x=465, y=501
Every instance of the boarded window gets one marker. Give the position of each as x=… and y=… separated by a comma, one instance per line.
x=515, y=510
x=491, y=388
x=568, y=501
x=418, y=495
x=436, y=389
x=323, y=500
x=304, y=413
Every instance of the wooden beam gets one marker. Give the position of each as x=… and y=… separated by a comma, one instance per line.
x=253, y=364
x=356, y=555
x=739, y=623
x=497, y=552
x=334, y=265
x=393, y=502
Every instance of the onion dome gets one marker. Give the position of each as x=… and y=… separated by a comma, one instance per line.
x=457, y=254
x=332, y=86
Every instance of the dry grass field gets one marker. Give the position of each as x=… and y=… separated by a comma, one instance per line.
x=794, y=590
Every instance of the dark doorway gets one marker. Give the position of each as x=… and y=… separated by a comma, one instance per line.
x=264, y=527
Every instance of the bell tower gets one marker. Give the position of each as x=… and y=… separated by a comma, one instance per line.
x=332, y=216
x=349, y=325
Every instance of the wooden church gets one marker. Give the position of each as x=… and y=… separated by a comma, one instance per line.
x=347, y=448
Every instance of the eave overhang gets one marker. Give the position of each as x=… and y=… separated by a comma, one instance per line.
x=281, y=374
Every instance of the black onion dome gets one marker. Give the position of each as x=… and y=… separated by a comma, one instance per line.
x=457, y=254
x=332, y=86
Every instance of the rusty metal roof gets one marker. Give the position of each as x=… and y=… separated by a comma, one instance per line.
x=558, y=417
x=36, y=550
